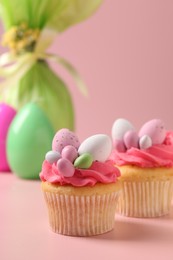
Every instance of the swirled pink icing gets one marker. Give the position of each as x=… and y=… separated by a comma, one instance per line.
x=98, y=173
x=160, y=155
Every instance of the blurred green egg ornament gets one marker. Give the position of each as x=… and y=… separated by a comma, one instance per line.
x=29, y=138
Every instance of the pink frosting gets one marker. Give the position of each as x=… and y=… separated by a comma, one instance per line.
x=156, y=156
x=98, y=172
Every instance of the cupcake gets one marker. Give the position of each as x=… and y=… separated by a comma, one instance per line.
x=80, y=185
x=145, y=160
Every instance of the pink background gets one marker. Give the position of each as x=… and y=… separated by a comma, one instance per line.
x=125, y=55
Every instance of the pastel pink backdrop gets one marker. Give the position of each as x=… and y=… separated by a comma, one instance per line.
x=125, y=55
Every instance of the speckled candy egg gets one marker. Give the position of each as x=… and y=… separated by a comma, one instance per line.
x=63, y=138
x=155, y=129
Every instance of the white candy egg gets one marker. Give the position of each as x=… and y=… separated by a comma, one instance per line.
x=120, y=127
x=99, y=146
x=52, y=156
x=145, y=142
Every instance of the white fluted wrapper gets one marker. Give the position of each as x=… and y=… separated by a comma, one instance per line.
x=146, y=198
x=81, y=215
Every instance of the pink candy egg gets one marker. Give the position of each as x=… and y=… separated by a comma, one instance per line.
x=131, y=139
x=69, y=152
x=7, y=114
x=63, y=138
x=119, y=146
x=155, y=129
x=65, y=167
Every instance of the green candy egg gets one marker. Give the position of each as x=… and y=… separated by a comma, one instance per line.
x=29, y=138
x=84, y=161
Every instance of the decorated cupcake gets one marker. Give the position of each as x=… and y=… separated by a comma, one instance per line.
x=80, y=186
x=145, y=160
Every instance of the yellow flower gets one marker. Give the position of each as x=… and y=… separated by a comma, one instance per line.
x=21, y=39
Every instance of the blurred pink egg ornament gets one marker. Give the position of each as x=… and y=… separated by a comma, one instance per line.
x=131, y=139
x=7, y=114
x=155, y=129
x=63, y=138
x=70, y=153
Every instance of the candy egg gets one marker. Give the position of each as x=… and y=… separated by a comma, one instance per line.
x=63, y=138
x=84, y=161
x=7, y=114
x=65, y=167
x=29, y=138
x=69, y=152
x=155, y=129
x=119, y=146
x=99, y=146
x=131, y=139
x=52, y=156
x=120, y=127
x=145, y=142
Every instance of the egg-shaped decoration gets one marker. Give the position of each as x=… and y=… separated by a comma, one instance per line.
x=63, y=138
x=99, y=146
x=52, y=156
x=145, y=142
x=155, y=129
x=119, y=146
x=84, y=161
x=131, y=139
x=29, y=138
x=120, y=127
x=69, y=152
x=7, y=113
x=65, y=167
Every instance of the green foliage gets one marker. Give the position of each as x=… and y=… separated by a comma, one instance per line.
x=42, y=86
x=56, y=14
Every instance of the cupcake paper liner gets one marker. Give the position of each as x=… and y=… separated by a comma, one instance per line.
x=146, y=198
x=81, y=215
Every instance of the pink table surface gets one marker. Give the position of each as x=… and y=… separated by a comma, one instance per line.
x=25, y=233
